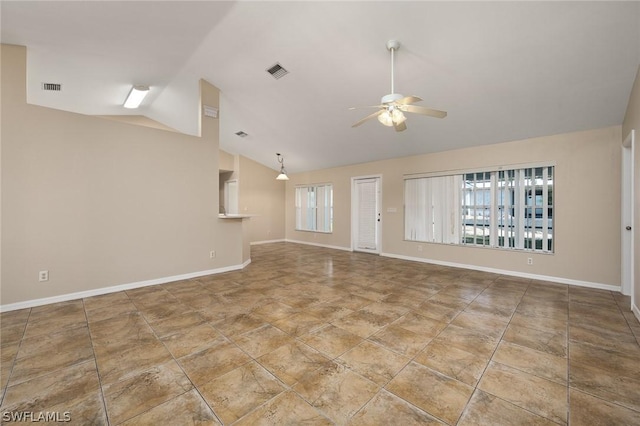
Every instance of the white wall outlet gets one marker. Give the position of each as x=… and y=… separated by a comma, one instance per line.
x=529, y=260
x=43, y=276
x=419, y=247
x=212, y=254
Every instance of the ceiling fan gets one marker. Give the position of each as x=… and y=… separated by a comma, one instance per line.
x=393, y=106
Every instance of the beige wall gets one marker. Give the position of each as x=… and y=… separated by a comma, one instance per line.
x=632, y=122
x=226, y=162
x=262, y=196
x=587, y=215
x=259, y=195
x=100, y=203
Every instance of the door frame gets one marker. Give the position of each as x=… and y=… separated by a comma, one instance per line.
x=354, y=214
x=628, y=243
x=228, y=199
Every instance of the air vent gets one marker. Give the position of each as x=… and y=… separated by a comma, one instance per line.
x=54, y=87
x=242, y=134
x=277, y=71
x=210, y=111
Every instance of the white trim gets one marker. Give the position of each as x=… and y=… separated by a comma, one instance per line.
x=635, y=311
x=354, y=213
x=478, y=170
x=317, y=245
x=627, y=218
x=228, y=208
x=105, y=290
x=559, y=280
x=256, y=243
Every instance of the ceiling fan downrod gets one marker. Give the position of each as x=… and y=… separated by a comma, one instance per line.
x=392, y=46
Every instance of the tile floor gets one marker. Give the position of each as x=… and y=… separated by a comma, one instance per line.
x=318, y=336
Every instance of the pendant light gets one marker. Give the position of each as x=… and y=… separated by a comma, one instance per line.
x=283, y=172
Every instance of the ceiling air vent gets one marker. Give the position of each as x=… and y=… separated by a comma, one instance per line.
x=52, y=87
x=277, y=71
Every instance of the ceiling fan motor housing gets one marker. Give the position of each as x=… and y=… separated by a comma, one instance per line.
x=390, y=98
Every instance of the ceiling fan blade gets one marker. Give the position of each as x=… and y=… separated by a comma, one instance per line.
x=368, y=117
x=408, y=100
x=424, y=111
x=400, y=127
x=366, y=106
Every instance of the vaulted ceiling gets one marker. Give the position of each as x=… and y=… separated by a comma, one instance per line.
x=502, y=70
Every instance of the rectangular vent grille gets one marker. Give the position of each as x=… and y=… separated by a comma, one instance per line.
x=55, y=87
x=277, y=71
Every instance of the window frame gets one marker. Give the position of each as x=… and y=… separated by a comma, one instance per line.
x=314, y=208
x=521, y=233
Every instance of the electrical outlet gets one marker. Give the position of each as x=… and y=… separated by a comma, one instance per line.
x=529, y=260
x=43, y=276
x=212, y=254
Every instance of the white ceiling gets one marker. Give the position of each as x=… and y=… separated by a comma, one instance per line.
x=503, y=70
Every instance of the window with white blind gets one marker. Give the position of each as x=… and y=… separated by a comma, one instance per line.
x=432, y=209
x=314, y=208
x=510, y=208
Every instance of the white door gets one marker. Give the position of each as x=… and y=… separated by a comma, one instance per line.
x=231, y=196
x=627, y=217
x=365, y=218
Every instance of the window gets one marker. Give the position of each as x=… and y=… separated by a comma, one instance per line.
x=503, y=209
x=314, y=208
x=431, y=209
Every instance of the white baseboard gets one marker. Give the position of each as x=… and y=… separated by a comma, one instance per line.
x=105, y=290
x=635, y=311
x=318, y=245
x=164, y=280
x=257, y=243
x=559, y=280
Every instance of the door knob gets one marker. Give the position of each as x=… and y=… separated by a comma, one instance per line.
x=628, y=228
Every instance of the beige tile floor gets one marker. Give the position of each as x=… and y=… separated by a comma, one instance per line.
x=307, y=335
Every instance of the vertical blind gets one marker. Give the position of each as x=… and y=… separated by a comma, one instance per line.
x=432, y=208
x=502, y=208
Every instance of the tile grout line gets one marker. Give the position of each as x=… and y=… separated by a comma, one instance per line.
x=194, y=387
x=587, y=392
x=95, y=362
x=475, y=387
x=252, y=283
x=15, y=358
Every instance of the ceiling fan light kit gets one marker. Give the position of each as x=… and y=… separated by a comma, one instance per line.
x=393, y=106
